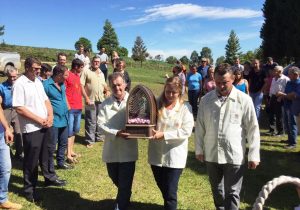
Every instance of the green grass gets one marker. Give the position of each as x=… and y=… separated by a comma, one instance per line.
x=89, y=186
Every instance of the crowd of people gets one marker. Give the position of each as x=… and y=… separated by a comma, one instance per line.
x=44, y=105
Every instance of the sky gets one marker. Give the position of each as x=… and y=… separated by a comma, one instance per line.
x=168, y=28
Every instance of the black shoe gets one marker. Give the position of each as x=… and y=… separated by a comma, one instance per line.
x=56, y=182
x=65, y=166
x=278, y=134
x=33, y=198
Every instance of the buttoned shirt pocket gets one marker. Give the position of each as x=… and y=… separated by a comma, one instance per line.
x=235, y=117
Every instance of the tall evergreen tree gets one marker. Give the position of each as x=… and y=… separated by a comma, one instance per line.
x=2, y=30
x=109, y=39
x=232, y=48
x=281, y=33
x=139, y=50
x=194, y=57
x=206, y=53
x=85, y=42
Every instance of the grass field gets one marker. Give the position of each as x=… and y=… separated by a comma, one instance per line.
x=89, y=186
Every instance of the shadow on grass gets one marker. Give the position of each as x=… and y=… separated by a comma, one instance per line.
x=59, y=198
x=194, y=164
x=273, y=164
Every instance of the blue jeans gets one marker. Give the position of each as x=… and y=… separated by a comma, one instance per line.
x=167, y=181
x=5, y=167
x=257, y=99
x=226, y=183
x=74, y=122
x=290, y=126
x=193, y=96
x=122, y=176
x=59, y=136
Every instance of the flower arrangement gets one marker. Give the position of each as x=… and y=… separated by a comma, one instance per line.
x=138, y=121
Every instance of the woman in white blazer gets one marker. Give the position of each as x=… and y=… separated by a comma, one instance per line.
x=168, y=147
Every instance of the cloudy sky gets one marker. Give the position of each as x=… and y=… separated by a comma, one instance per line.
x=166, y=27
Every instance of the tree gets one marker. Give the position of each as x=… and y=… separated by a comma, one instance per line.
x=281, y=33
x=122, y=51
x=232, y=48
x=158, y=57
x=139, y=50
x=85, y=42
x=220, y=60
x=109, y=39
x=2, y=30
x=184, y=60
x=206, y=53
x=194, y=57
x=171, y=60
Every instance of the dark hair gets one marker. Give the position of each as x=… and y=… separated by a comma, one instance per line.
x=119, y=61
x=247, y=63
x=223, y=69
x=61, y=54
x=174, y=82
x=95, y=57
x=112, y=77
x=29, y=61
x=77, y=63
x=45, y=68
x=59, y=69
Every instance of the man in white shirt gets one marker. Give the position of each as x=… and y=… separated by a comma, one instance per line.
x=35, y=116
x=104, y=61
x=226, y=118
x=119, y=154
x=278, y=84
x=238, y=65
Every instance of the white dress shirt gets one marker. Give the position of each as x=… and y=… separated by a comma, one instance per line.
x=222, y=129
x=32, y=96
x=278, y=84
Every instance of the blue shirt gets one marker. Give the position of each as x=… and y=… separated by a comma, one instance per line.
x=194, y=80
x=58, y=101
x=6, y=94
x=203, y=70
x=241, y=87
x=295, y=107
x=291, y=86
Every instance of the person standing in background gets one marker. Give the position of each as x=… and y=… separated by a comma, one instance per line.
x=194, y=84
x=74, y=98
x=115, y=58
x=103, y=62
x=257, y=85
x=9, y=112
x=56, y=92
x=94, y=91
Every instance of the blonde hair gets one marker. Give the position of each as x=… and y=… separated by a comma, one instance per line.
x=175, y=83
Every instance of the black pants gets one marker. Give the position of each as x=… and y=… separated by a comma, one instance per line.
x=275, y=113
x=167, y=180
x=36, y=145
x=122, y=176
